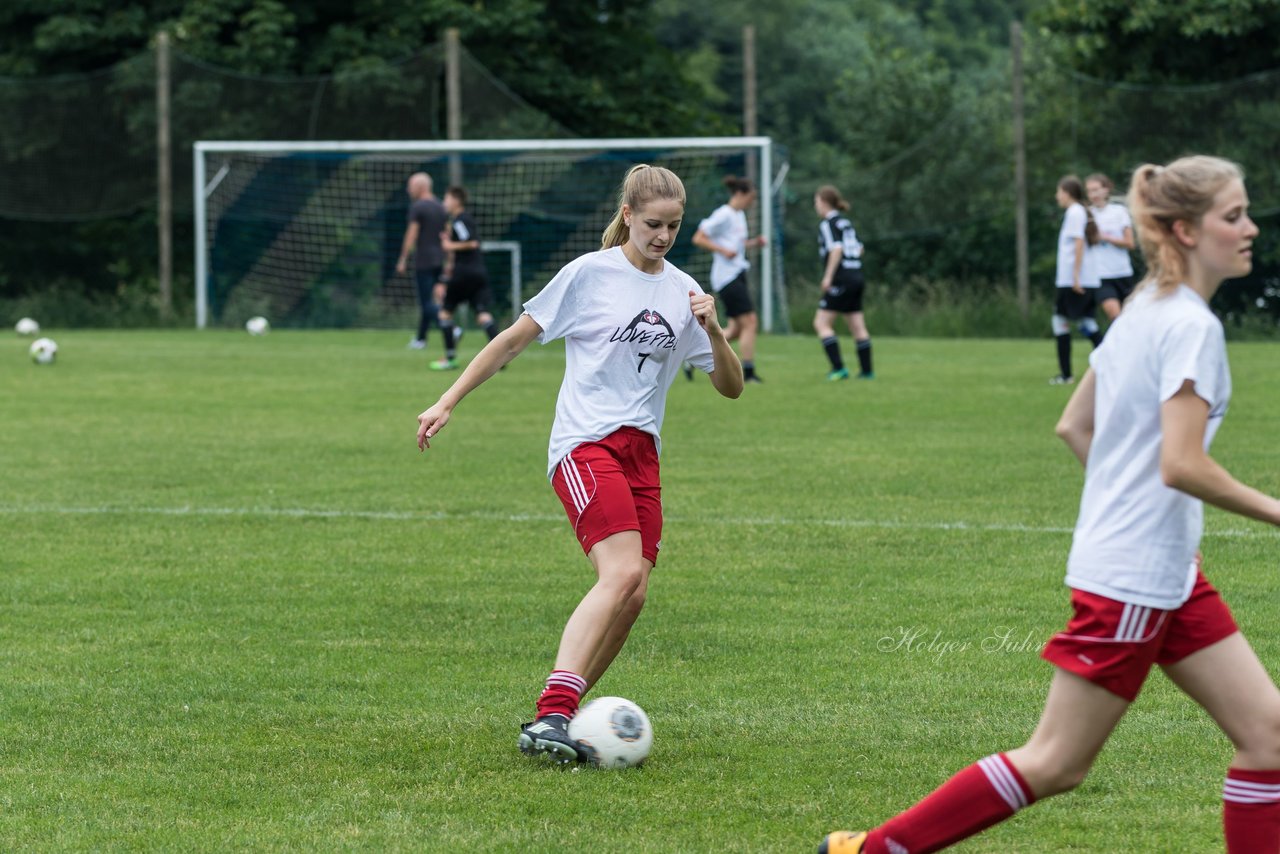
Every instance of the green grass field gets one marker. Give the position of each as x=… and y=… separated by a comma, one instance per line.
x=241, y=611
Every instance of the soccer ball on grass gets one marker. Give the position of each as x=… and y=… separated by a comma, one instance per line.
x=617, y=730
x=26, y=326
x=257, y=326
x=43, y=351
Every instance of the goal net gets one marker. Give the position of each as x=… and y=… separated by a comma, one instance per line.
x=307, y=234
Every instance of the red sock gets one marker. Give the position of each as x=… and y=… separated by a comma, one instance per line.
x=974, y=799
x=560, y=697
x=1251, y=811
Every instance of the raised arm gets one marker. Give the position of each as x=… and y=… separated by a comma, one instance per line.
x=1187, y=467
x=703, y=241
x=726, y=374
x=506, y=346
x=1075, y=427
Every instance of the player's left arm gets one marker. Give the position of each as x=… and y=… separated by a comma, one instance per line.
x=726, y=375
x=1075, y=427
x=1187, y=467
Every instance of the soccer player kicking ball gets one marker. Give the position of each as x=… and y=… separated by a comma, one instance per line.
x=629, y=318
x=1141, y=421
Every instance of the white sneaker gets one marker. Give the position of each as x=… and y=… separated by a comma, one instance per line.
x=417, y=344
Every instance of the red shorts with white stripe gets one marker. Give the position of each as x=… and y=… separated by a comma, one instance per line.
x=611, y=486
x=1114, y=644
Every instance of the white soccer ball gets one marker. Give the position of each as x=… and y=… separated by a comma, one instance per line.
x=616, y=729
x=257, y=326
x=43, y=351
x=26, y=326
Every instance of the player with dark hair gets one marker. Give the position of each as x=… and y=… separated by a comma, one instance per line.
x=842, y=284
x=629, y=318
x=724, y=234
x=1141, y=422
x=422, y=237
x=1115, y=239
x=1077, y=276
x=468, y=281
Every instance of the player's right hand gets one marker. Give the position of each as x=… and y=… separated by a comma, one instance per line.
x=430, y=423
x=401, y=267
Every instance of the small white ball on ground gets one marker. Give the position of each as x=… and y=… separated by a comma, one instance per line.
x=26, y=326
x=43, y=351
x=617, y=730
x=257, y=326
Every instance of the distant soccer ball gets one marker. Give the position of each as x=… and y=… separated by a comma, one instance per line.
x=257, y=326
x=43, y=351
x=26, y=326
x=616, y=729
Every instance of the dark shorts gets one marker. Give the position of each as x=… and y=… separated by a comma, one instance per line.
x=610, y=486
x=470, y=287
x=845, y=295
x=426, y=281
x=736, y=297
x=1114, y=644
x=1117, y=289
x=1074, y=306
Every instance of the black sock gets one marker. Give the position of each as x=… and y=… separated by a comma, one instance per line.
x=491, y=329
x=748, y=370
x=1064, y=354
x=450, y=347
x=832, y=345
x=864, y=355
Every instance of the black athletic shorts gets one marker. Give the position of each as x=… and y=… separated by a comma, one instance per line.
x=736, y=297
x=845, y=295
x=1117, y=289
x=1074, y=306
x=470, y=287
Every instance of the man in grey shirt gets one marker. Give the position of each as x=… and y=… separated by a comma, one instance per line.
x=427, y=220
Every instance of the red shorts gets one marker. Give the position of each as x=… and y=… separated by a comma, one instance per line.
x=611, y=486
x=1114, y=644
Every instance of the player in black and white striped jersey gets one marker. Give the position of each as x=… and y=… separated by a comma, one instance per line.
x=466, y=274
x=842, y=283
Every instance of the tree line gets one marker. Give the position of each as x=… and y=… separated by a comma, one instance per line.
x=904, y=105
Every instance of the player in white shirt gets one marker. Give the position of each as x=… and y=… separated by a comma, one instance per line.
x=724, y=234
x=1115, y=239
x=1141, y=422
x=1077, y=276
x=629, y=319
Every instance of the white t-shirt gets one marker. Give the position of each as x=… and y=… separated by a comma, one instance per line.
x=727, y=227
x=1136, y=538
x=1073, y=222
x=1111, y=261
x=626, y=334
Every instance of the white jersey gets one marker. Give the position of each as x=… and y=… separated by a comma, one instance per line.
x=1136, y=538
x=626, y=334
x=727, y=227
x=1073, y=223
x=1111, y=261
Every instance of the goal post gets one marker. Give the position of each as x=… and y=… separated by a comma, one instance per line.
x=307, y=233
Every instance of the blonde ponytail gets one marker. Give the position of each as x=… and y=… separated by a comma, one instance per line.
x=1159, y=196
x=643, y=184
